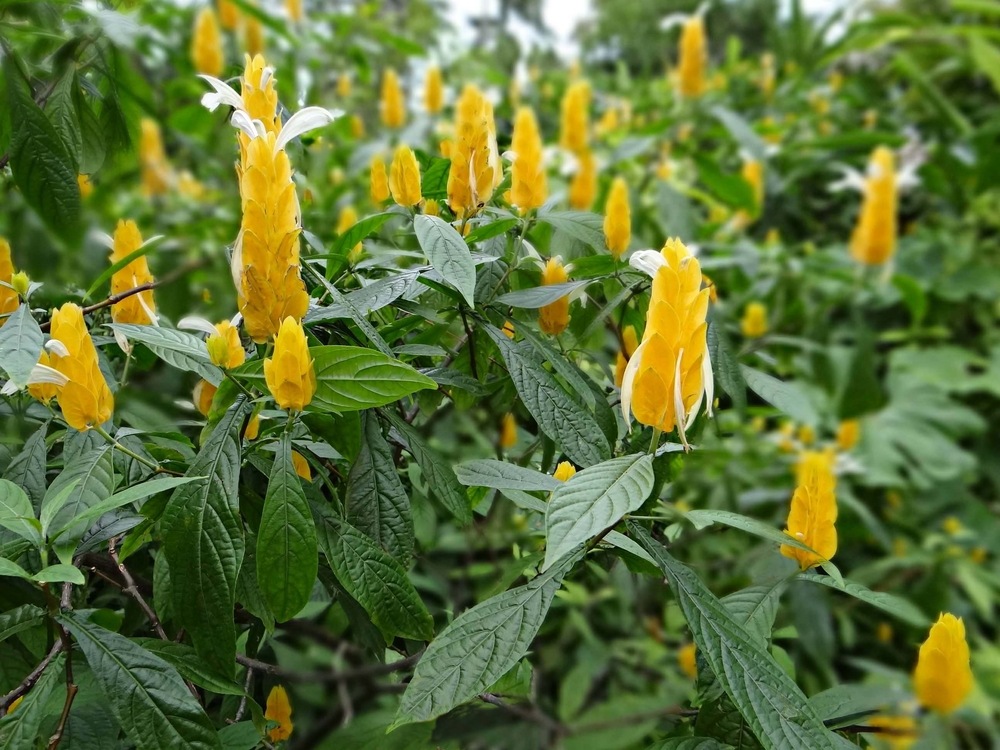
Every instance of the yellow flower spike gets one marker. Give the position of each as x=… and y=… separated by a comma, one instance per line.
x=357, y=126
x=902, y=731
x=379, y=183
x=266, y=259
x=294, y=10
x=952, y=526
x=203, y=394
x=554, y=317
x=617, y=219
x=253, y=35
x=9, y=299
x=155, y=169
x=224, y=347
x=873, y=241
x=206, y=44
x=343, y=85
x=767, y=75
x=754, y=321
x=753, y=174
x=583, y=186
x=508, y=431
x=86, y=187
x=279, y=710
x=392, y=105
x=669, y=376
x=85, y=399
x=253, y=428
x=807, y=434
x=813, y=515
x=564, y=471
x=835, y=80
x=943, y=677
x=884, y=632
x=433, y=91
x=848, y=434
x=301, y=466
x=508, y=329
x=229, y=14
x=693, y=58
x=608, y=122
x=404, y=177
x=869, y=119
x=574, y=134
x=529, y=188
x=139, y=308
x=432, y=207
x=475, y=163
x=688, y=661
x=289, y=372
x=631, y=343
x=978, y=555
x=347, y=219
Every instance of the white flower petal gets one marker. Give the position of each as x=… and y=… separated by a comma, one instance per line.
x=122, y=341
x=708, y=380
x=301, y=122
x=242, y=122
x=55, y=346
x=224, y=94
x=196, y=323
x=851, y=179
x=153, y=319
x=628, y=383
x=105, y=239
x=46, y=374
x=236, y=263
x=647, y=261
x=679, y=414
x=673, y=20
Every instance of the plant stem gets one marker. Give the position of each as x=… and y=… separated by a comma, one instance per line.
x=246, y=391
x=141, y=459
x=655, y=442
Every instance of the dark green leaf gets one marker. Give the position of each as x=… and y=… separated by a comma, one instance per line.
x=787, y=397
x=20, y=729
x=27, y=470
x=180, y=349
x=20, y=344
x=489, y=472
x=447, y=253
x=894, y=605
x=584, y=226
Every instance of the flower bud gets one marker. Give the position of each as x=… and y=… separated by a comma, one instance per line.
x=289, y=373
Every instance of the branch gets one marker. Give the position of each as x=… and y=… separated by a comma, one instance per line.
x=132, y=590
x=116, y=298
x=29, y=682
x=530, y=713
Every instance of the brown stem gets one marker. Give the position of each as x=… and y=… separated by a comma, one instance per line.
x=29, y=682
x=132, y=590
x=330, y=676
x=116, y=298
x=530, y=712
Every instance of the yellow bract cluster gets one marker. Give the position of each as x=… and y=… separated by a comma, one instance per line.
x=289, y=373
x=404, y=177
x=943, y=678
x=85, y=399
x=279, y=710
x=564, y=471
x=393, y=105
x=9, y=300
x=139, y=308
x=813, y=515
x=753, y=324
x=528, y=188
x=475, y=160
x=617, y=219
x=206, y=44
x=574, y=134
x=665, y=382
x=379, y=180
x=154, y=167
x=269, y=288
x=260, y=100
x=583, y=186
x=347, y=219
x=874, y=239
x=433, y=91
x=554, y=317
x=225, y=351
x=693, y=58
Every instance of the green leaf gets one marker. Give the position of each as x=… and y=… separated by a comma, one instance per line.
x=479, y=647
x=240, y=736
x=146, y=695
x=375, y=580
x=489, y=472
x=439, y=474
x=895, y=605
x=20, y=618
x=20, y=729
x=846, y=704
x=180, y=349
x=771, y=703
x=741, y=132
x=12, y=569
x=59, y=574
x=559, y=416
x=20, y=344
x=755, y=608
x=16, y=513
x=539, y=296
x=366, y=300
x=61, y=111
x=375, y=501
x=364, y=228
x=584, y=226
x=726, y=368
x=909, y=67
x=731, y=189
x=594, y=499
x=27, y=470
x=92, y=478
x=447, y=253
x=351, y=378
x=203, y=543
x=787, y=397
x=186, y=661
x=986, y=57
x=689, y=743
x=43, y=169
x=491, y=229
x=287, y=555
x=434, y=179
x=124, y=497
x=703, y=518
